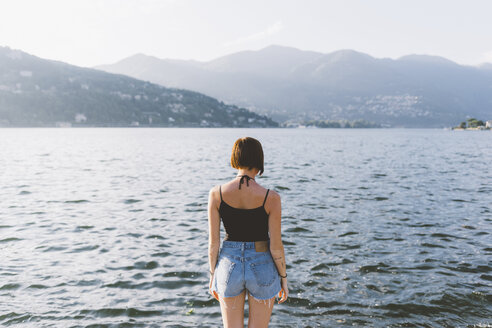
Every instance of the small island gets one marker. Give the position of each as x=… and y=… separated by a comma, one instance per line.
x=474, y=124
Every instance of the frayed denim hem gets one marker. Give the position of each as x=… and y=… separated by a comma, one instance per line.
x=264, y=299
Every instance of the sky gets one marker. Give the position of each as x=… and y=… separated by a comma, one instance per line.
x=94, y=32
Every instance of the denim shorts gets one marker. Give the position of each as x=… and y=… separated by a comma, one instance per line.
x=240, y=266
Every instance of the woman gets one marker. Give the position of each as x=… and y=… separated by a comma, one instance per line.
x=251, y=258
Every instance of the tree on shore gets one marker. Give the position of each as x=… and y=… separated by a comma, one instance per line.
x=473, y=123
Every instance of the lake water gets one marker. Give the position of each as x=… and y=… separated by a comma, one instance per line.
x=382, y=227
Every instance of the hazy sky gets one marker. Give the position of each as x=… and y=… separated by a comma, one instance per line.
x=93, y=32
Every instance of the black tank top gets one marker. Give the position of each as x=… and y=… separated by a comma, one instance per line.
x=244, y=224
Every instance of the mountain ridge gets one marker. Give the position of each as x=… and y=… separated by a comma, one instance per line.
x=42, y=92
x=291, y=84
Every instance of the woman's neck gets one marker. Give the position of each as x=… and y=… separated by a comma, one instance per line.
x=250, y=173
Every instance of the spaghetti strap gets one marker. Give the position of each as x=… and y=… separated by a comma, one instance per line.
x=266, y=197
x=220, y=191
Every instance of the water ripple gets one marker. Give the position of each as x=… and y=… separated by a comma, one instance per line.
x=381, y=227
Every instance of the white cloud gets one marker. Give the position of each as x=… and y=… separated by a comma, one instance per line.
x=486, y=57
x=269, y=31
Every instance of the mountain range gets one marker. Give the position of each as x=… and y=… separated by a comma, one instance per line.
x=41, y=92
x=289, y=84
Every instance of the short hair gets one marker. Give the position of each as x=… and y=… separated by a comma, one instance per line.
x=247, y=153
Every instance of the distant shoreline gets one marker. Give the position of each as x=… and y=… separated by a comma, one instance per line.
x=471, y=129
x=222, y=127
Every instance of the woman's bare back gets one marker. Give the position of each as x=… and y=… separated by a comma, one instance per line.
x=248, y=197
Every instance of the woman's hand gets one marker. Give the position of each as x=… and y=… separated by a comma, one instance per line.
x=213, y=293
x=284, y=293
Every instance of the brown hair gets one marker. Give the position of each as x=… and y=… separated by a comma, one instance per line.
x=247, y=153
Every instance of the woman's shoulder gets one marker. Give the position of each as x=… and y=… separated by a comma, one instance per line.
x=272, y=194
x=214, y=191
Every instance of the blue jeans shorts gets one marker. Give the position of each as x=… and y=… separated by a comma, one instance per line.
x=239, y=266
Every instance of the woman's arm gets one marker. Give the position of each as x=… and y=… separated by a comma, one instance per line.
x=276, y=245
x=213, y=228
